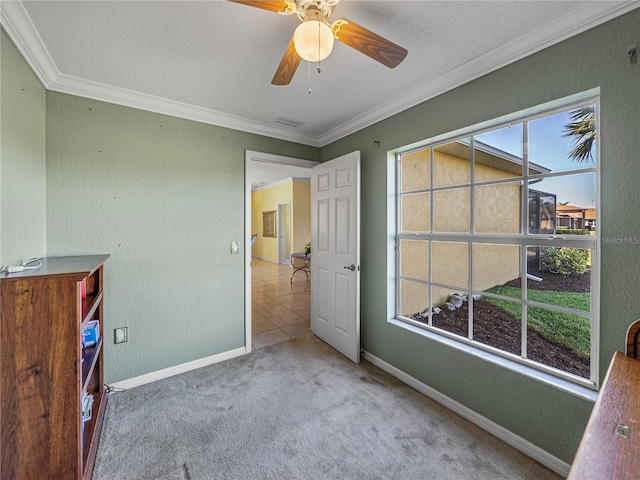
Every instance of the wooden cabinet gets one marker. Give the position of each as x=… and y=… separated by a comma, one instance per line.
x=45, y=371
x=610, y=446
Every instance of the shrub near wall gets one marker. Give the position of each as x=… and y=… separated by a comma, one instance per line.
x=572, y=231
x=567, y=260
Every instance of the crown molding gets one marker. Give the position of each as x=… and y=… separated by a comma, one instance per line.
x=22, y=32
x=151, y=103
x=279, y=159
x=24, y=35
x=281, y=182
x=253, y=156
x=586, y=17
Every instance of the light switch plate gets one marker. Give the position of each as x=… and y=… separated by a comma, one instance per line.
x=120, y=335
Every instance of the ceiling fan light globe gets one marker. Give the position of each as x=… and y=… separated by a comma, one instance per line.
x=313, y=40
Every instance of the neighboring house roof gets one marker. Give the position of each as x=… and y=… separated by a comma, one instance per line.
x=490, y=157
x=575, y=212
x=541, y=193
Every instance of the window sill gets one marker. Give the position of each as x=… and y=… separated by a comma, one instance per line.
x=579, y=391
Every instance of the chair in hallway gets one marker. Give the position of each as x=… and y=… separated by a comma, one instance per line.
x=297, y=267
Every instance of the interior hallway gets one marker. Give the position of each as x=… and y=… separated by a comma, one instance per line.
x=280, y=308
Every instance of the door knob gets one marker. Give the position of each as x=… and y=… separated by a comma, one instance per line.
x=351, y=267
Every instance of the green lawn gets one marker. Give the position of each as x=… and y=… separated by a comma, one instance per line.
x=564, y=328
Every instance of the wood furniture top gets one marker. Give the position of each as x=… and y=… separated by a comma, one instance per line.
x=80, y=265
x=610, y=447
x=633, y=338
x=45, y=373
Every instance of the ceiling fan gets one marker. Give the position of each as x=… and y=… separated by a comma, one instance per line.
x=313, y=39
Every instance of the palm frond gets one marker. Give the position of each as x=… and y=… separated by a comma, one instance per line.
x=582, y=130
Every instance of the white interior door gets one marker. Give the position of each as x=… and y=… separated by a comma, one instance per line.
x=335, y=253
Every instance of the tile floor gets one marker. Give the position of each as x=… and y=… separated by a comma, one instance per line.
x=279, y=308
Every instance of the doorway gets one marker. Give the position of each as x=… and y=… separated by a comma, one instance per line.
x=284, y=231
x=271, y=169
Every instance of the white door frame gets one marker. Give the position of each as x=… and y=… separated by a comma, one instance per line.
x=282, y=227
x=252, y=156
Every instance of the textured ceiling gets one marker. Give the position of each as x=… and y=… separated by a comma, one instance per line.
x=213, y=61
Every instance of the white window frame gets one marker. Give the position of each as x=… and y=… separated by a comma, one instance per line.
x=523, y=239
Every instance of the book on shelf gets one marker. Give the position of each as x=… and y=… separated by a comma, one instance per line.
x=91, y=334
x=87, y=405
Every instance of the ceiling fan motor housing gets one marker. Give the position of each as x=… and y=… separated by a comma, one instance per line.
x=313, y=40
x=319, y=10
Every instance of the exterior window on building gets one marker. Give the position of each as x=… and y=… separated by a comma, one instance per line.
x=496, y=243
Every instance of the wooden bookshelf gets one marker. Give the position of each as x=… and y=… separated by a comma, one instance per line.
x=45, y=372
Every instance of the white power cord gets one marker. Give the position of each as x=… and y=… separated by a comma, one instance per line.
x=22, y=267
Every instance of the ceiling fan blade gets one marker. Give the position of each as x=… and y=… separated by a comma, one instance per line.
x=288, y=66
x=279, y=6
x=369, y=43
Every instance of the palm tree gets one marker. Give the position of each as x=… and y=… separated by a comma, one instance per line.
x=582, y=129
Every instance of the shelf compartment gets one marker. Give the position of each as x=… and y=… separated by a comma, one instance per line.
x=90, y=356
x=89, y=307
x=91, y=432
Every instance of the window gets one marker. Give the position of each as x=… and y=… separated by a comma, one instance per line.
x=496, y=242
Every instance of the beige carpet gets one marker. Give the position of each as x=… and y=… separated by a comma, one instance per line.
x=296, y=410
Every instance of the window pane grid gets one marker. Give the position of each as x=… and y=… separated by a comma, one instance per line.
x=418, y=190
x=470, y=278
x=415, y=280
x=547, y=306
x=458, y=226
x=576, y=241
x=562, y=174
x=516, y=358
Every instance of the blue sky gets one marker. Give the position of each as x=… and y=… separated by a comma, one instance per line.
x=549, y=148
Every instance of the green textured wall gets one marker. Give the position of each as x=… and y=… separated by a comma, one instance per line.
x=22, y=159
x=597, y=58
x=165, y=197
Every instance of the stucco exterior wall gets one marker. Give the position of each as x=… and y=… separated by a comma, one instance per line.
x=497, y=210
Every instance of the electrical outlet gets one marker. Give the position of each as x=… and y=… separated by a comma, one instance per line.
x=120, y=335
x=235, y=248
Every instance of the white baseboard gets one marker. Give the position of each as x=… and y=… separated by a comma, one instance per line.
x=270, y=260
x=517, y=442
x=175, y=370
